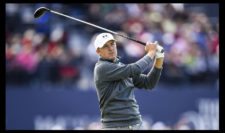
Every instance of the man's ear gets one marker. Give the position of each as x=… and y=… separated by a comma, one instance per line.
x=98, y=51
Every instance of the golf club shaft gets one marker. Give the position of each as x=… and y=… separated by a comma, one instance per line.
x=96, y=26
x=40, y=11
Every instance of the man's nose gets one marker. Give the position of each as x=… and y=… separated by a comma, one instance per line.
x=110, y=47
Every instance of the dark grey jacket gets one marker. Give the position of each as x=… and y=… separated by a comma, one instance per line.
x=115, y=83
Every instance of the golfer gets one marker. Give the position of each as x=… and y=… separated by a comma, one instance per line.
x=115, y=83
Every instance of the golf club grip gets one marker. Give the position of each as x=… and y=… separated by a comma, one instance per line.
x=136, y=41
x=132, y=39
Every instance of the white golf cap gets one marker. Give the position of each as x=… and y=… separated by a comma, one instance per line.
x=101, y=39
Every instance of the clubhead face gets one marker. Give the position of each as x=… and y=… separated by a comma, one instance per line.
x=40, y=11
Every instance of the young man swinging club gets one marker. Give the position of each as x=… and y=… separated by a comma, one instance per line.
x=115, y=82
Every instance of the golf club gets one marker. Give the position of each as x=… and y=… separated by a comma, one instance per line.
x=40, y=11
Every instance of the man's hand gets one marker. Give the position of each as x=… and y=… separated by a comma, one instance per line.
x=158, y=52
x=150, y=48
x=159, y=56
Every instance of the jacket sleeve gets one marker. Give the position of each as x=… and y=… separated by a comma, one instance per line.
x=116, y=71
x=148, y=81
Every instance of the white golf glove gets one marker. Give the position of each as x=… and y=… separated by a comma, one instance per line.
x=158, y=51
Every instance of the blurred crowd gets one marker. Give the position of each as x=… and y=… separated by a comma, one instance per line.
x=54, y=49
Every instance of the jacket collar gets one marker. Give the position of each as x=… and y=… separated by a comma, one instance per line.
x=117, y=59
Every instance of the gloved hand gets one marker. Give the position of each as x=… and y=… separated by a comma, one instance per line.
x=158, y=51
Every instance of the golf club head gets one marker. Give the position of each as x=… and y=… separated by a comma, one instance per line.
x=40, y=11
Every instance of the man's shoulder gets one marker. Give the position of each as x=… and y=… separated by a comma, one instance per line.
x=102, y=65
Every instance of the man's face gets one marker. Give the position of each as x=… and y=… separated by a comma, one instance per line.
x=108, y=51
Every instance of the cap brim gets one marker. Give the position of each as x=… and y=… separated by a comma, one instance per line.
x=106, y=42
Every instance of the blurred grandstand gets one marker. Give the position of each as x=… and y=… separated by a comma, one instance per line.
x=54, y=51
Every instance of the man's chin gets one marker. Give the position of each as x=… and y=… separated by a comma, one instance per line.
x=112, y=58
